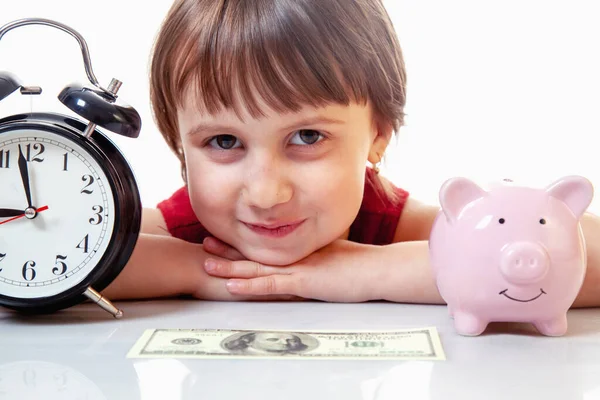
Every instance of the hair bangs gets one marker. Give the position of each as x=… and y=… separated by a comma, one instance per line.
x=256, y=57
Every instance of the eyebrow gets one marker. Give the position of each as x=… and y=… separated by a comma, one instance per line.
x=314, y=121
x=210, y=128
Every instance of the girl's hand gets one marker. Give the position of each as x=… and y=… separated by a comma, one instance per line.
x=343, y=271
x=163, y=267
x=221, y=249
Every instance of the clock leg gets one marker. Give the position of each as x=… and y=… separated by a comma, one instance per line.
x=103, y=302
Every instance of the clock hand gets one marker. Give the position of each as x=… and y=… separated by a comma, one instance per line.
x=9, y=212
x=25, y=176
x=23, y=214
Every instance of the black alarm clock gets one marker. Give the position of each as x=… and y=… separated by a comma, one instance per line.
x=70, y=209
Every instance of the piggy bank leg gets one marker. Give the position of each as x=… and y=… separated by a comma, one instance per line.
x=553, y=327
x=468, y=324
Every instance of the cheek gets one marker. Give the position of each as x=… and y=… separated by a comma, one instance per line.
x=338, y=190
x=210, y=189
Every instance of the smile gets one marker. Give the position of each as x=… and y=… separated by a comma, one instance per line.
x=522, y=301
x=274, y=231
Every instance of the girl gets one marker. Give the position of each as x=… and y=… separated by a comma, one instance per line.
x=275, y=108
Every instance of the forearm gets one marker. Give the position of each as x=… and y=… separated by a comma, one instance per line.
x=404, y=274
x=160, y=266
x=589, y=295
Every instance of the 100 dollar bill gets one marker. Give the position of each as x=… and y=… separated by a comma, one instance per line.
x=421, y=343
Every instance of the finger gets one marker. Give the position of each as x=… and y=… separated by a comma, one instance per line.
x=225, y=295
x=215, y=289
x=241, y=269
x=273, y=297
x=267, y=285
x=221, y=249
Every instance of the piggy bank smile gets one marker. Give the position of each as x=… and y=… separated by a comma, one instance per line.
x=503, y=293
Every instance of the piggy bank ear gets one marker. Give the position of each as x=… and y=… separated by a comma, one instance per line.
x=575, y=191
x=456, y=194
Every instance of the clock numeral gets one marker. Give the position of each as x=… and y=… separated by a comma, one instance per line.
x=98, y=210
x=65, y=160
x=36, y=146
x=59, y=262
x=83, y=244
x=86, y=178
x=28, y=271
x=2, y=255
x=4, y=158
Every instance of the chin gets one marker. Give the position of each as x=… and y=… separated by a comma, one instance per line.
x=274, y=257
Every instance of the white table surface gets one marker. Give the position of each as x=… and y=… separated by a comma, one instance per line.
x=80, y=353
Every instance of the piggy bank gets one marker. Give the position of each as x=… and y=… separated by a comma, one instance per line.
x=510, y=253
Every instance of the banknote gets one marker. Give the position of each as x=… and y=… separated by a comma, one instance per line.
x=407, y=344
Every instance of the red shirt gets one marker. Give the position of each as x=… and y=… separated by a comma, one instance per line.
x=375, y=222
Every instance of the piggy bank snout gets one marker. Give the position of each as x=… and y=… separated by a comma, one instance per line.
x=524, y=263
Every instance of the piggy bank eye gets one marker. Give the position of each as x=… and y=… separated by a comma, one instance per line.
x=501, y=220
x=542, y=221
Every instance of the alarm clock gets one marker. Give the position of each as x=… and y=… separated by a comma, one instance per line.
x=70, y=209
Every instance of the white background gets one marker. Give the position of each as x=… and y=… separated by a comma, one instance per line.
x=495, y=89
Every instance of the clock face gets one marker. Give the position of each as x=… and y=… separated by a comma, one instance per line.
x=47, y=251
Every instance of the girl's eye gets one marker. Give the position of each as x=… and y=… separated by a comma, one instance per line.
x=306, y=137
x=225, y=142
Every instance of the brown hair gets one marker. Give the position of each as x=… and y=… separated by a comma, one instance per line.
x=289, y=52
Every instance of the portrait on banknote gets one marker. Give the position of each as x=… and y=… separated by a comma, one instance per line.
x=276, y=343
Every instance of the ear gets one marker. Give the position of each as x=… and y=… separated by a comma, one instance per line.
x=380, y=143
x=456, y=194
x=575, y=191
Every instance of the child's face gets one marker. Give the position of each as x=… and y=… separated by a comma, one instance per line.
x=280, y=187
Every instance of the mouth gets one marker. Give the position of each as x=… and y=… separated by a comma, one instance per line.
x=521, y=300
x=276, y=230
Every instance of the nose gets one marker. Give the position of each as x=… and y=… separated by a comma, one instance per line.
x=524, y=262
x=267, y=188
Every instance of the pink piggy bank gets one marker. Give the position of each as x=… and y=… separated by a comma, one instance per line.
x=511, y=253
